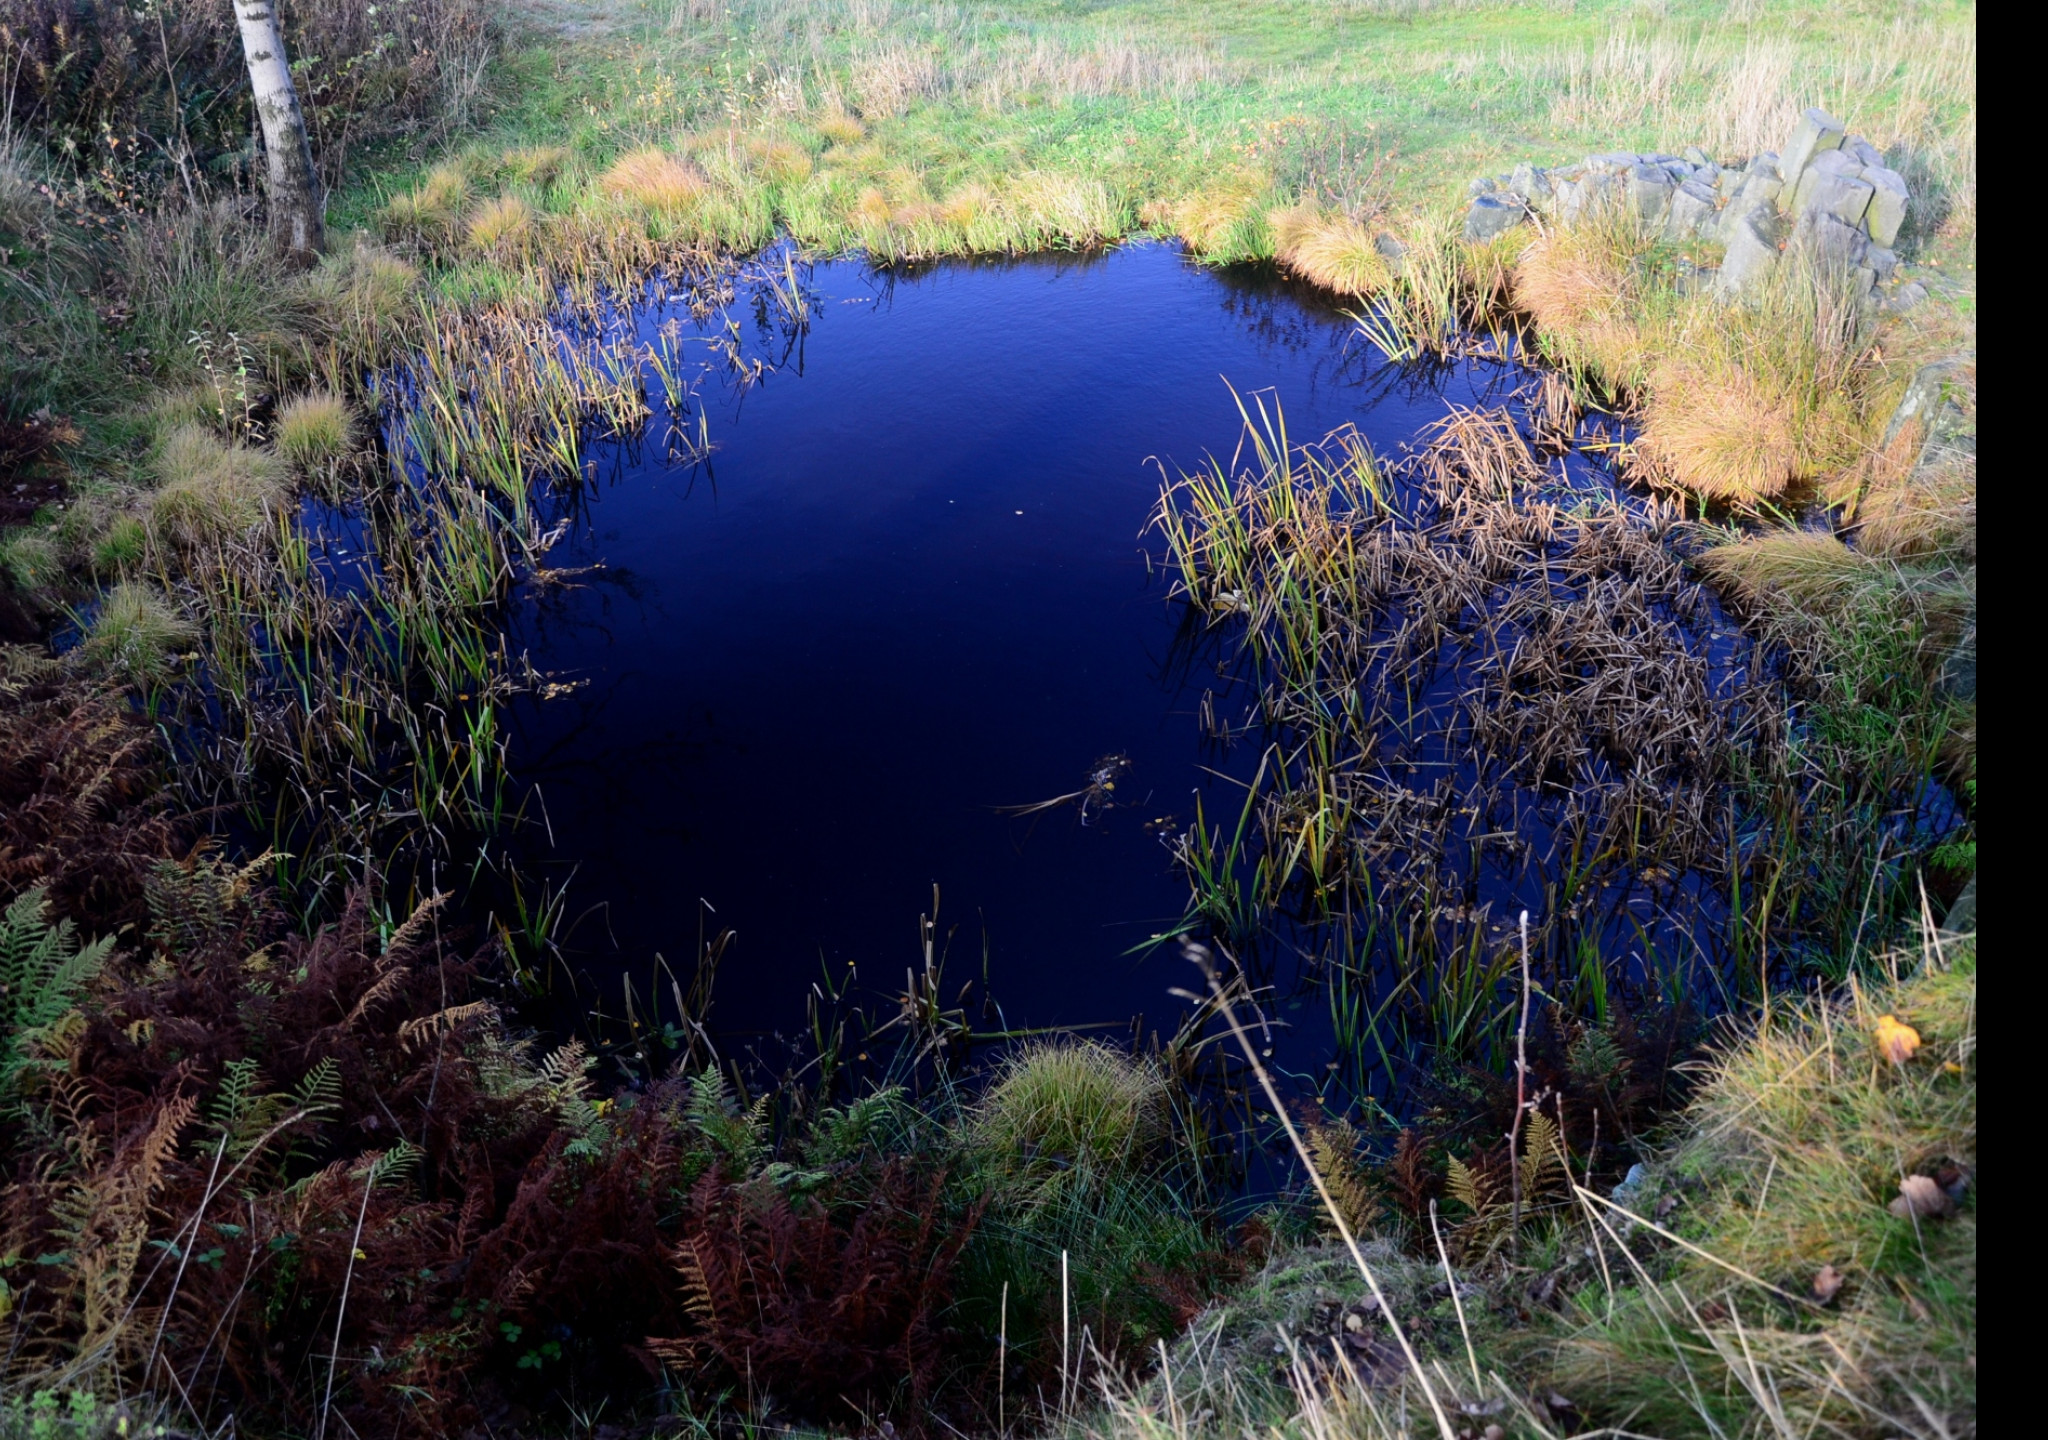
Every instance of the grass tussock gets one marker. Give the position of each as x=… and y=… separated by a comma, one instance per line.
x=212, y=491
x=431, y=210
x=1224, y=219
x=366, y=297
x=136, y=632
x=653, y=181
x=841, y=129
x=504, y=226
x=1931, y=513
x=1721, y=431
x=1333, y=251
x=538, y=166
x=314, y=431
x=1068, y=1105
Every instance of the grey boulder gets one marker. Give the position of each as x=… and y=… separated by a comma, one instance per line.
x=1833, y=185
x=1816, y=133
x=1752, y=251
x=1494, y=214
x=1887, y=212
x=1694, y=212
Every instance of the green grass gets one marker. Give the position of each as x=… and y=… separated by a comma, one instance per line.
x=1778, y=1295
x=1368, y=106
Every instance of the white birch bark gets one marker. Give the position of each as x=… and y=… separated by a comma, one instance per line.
x=293, y=185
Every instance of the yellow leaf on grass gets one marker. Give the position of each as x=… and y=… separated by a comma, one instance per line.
x=1896, y=1040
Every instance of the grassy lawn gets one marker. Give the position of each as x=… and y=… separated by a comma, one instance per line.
x=1379, y=107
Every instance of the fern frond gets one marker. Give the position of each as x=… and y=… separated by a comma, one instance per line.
x=1334, y=1148
x=1542, y=1154
x=1468, y=1188
x=319, y=1089
x=44, y=972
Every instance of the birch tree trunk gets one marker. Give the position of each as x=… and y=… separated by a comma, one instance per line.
x=296, y=225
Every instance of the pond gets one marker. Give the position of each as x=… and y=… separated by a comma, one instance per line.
x=910, y=589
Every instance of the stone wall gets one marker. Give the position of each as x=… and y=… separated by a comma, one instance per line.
x=1826, y=196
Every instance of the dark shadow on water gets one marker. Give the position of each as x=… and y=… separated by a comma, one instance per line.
x=910, y=587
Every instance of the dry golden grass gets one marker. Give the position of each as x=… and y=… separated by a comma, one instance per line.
x=1224, y=220
x=1064, y=209
x=653, y=180
x=1332, y=251
x=1934, y=512
x=504, y=226
x=1579, y=285
x=841, y=129
x=1719, y=431
x=433, y=208
x=888, y=80
x=1810, y=568
x=872, y=209
x=967, y=206
x=537, y=165
x=783, y=162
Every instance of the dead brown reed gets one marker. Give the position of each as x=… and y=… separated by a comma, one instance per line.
x=1473, y=618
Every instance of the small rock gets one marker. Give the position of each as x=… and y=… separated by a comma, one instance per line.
x=1493, y=215
x=1905, y=297
x=1614, y=162
x=1696, y=156
x=1861, y=151
x=1649, y=193
x=1530, y=182
x=1920, y=1196
x=1829, y=242
x=1629, y=1193
x=1833, y=185
x=1484, y=185
x=1924, y=393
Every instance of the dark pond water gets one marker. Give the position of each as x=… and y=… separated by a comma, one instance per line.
x=910, y=587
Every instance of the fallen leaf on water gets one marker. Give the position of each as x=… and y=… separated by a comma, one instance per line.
x=1919, y=1195
x=1827, y=1284
x=1896, y=1040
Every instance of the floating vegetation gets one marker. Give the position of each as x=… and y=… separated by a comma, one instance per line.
x=1485, y=684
